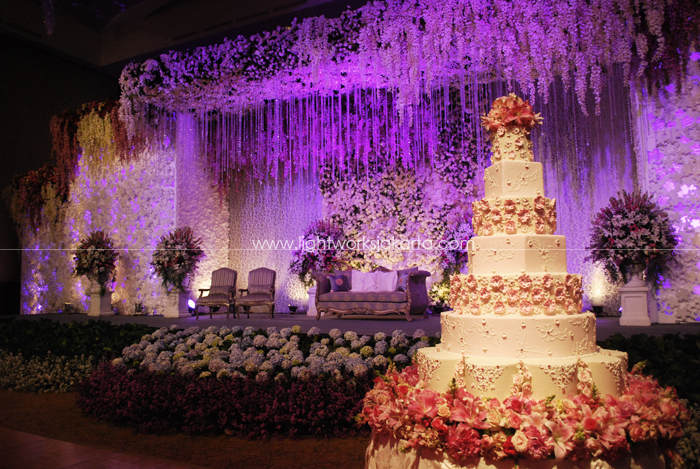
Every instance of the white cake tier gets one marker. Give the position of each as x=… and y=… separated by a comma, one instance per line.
x=515, y=254
x=537, y=377
x=524, y=294
x=516, y=215
x=511, y=142
x=508, y=179
x=526, y=337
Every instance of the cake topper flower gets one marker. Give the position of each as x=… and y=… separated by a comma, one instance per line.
x=510, y=110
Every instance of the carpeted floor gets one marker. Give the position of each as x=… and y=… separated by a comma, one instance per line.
x=56, y=416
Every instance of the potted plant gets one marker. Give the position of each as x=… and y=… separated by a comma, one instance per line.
x=96, y=259
x=175, y=260
x=630, y=237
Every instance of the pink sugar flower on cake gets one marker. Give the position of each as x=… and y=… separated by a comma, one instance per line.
x=510, y=227
x=540, y=227
x=537, y=295
x=499, y=308
x=524, y=216
x=471, y=282
x=496, y=216
x=509, y=206
x=525, y=282
x=497, y=283
x=512, y=296
x=547, y=282
x=540, y=205
x=485, y=295
x=483, y=205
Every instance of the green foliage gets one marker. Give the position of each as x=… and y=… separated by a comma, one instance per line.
x=97, y=339
x=671, y=359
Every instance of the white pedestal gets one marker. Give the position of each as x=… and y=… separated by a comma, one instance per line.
x=177, y=304
x=100, y=305
x=311, y=310
x=634, y=306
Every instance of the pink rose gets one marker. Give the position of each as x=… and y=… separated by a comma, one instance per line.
x=497, y=283
x=520, y=442
x=494, y=418
x=550, y=306
x=559, y=293
x=527, y=390
x=636, y=432
x=518, y=379
x=540, y=226
x=474, y=309
x=514, y=420
x=485, y=295
x=547, y=281
x=487, y=229
x=512, y=296
x=496, y=216
x=484, y=206
x=525, y=282
x=537, y=295
x=589, y=424
x=571, y=307
x=499, y=308
x=471, y=282
x=524, y=216
x=584, y=376
x=509, y=206
x=525, y=307
x=514, y=390
x=539, y=204
x=511, y=227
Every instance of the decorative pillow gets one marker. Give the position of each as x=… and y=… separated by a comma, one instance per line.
x=364, y=281
x=402, y=281
x=348, y=276
x=386, y=281
x=338, y=282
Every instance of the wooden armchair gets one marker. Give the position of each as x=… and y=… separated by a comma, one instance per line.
x=260, y=291
x=221, y=293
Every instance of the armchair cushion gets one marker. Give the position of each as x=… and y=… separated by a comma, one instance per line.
x=383, y=296
x=213, y=299
x=253, y=298
x=259, y=289
x=219, y=290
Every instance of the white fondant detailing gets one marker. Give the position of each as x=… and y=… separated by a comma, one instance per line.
x=459, y=374
x=428, y=366
x=523, y=179
x=489, y=255
x=523, y=349
x=484, y=375
x=561, y=375
x=620, y=375
x=548, y=333
x=583, y=321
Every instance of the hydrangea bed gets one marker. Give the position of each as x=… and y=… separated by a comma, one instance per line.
x=577, y=428
x=246, y=382
x=50, y=373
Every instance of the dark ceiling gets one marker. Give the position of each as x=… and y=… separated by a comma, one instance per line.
x=108, y=34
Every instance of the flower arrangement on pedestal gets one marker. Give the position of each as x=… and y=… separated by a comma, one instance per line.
x=633, y=230
x=96, y=258
x=320, y=252
x=176, y=257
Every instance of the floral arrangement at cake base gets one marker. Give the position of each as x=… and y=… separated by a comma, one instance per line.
x=245, y=382
x=578, y=428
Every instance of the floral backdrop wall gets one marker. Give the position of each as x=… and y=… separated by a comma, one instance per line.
x=671, y=136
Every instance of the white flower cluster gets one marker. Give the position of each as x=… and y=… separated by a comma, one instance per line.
x=43, y=374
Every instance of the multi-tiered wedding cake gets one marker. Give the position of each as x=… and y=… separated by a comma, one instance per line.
x=516, y=325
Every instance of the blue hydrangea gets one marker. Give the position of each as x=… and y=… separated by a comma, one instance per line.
x=235, y=330
x=380, y=348
x=365, y=339
x=146, y=338
x=246, y=342
x=359, y=370
x=262, y=377
x=322, y=351
x=401, y=359
x=398, y=333
x=330, y=367
x=267, y=366
x=248, y=331
x=165, y=355
x=289, y=347
x=210, y=338
x=379, y=336
x=297, y=356
x=276, y=360
x=297, y=370
x=191, y=330
x=380, y=361
x=211, y=330
x=418, y=334
x=224, y=331
x=399, y=341
x=316, y=368
x=271, y=330
x=216, y=364
x=160, y=333
x=339, y=342
x=259, y=341
x=350, y=335
x=144, y=343
x=174, y=328
x=335, y=334
x=418, y=345
x=333, y=356
x=286, y=364
x=355, y=344
x=286, y=332
x=313, y=331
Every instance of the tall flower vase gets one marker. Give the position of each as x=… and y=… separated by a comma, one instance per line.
x=100, y=303
x=176, y=306
x=633, y=298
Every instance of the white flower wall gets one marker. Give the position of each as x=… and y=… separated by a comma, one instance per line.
x=672, y=140
x=266, y=222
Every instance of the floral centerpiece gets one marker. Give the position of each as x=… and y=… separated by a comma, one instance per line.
x=510, y=110
x=631, y=230
x=176, y=257
x=320, y=252
x=96, y=258
x=520, y=427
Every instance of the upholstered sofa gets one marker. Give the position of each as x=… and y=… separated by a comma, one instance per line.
x=414, y=300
